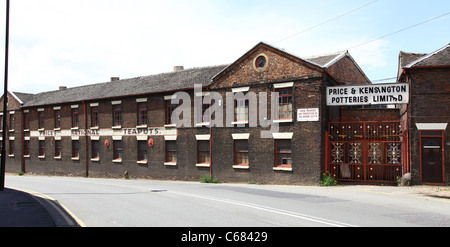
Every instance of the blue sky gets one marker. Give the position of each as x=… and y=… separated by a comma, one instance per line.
x=71, y=43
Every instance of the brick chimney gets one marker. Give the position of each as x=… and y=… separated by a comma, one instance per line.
x=178, y=68
x=115, y=78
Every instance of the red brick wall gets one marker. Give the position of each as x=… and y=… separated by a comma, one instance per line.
x=281, y=67
x=14, y=163
x=429, y=103
x=345, y=71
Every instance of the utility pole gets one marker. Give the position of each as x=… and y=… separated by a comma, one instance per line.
x=5, y=102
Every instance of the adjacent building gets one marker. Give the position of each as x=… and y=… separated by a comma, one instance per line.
x=428, y=113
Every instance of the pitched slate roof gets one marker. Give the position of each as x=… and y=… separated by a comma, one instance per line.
x=23, y=97
x=405, y=58
x=440, y=57
x=165, y=82
x=328, y=59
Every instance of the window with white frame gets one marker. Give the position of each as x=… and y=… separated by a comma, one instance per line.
x=283, y=151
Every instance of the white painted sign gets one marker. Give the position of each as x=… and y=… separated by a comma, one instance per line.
x=106, y=132
x=376, y=94
x=308, y=114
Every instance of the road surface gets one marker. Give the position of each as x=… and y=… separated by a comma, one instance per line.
x=135, y=203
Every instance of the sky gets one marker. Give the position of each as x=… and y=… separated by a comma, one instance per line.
x=79, y=42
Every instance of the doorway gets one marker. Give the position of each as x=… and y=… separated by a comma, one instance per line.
x=431, y=152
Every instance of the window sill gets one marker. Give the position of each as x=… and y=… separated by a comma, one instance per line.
x=117, y=127
x=95, y=159
x=141, y=126
x=74, y=128
x=202, y=124
x=203, y=165
x=170, y=163
x=283, y=121
x=287, y=169
x=240, y=122
x=26, y=156
x=11, y=155
x=75, y=158
x=57, y=129
x=142, y=162
x=57, y=157
x=41, y=156
x=241, y=167
x=41, y=129
x=117, y=161
x=95, y=128
x=170, y=125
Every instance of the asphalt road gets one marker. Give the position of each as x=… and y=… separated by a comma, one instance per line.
x=134, y=203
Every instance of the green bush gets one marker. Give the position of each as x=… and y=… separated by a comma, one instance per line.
x=209, y=180
x=327, y=180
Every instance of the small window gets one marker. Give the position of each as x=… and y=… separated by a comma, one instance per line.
x=203, y=154
x=204, y=117
x=11, y=148
x=117, y=147
x=41, y=120
x=58, y=149
x=26, y=148
x=241, y=152
x=75, y=149
x=171, y=152
x=241, y=110
x=95, y=149
x=142, y=151
x=94, y=117
x=75, y=118
x=117, y=115
x=170, y=108
x=142, y=114
x=57, y=119
x=41, y=148
x=26, y=120
x=12, y=121
x=283, y=157
x=260, y=62
x=284, y=103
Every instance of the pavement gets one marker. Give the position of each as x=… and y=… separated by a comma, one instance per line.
x=20, y=208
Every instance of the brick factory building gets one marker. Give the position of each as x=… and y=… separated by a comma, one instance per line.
x=263, y=119
x=428, y=113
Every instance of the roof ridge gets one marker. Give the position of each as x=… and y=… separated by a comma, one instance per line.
x=180, y=71
x=130, y=78
x=141, y=85
x=326, y=55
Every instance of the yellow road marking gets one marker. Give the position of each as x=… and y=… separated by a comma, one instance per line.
x=52, y=202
